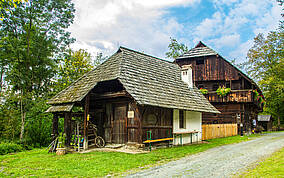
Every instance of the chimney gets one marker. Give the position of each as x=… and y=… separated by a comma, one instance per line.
x=186, y=75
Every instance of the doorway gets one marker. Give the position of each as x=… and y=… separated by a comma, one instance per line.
x=119, y=133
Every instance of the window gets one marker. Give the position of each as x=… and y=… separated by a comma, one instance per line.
x=182, y=119
x=200, y=61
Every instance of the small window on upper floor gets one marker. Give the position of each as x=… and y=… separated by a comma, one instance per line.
x=200, y=61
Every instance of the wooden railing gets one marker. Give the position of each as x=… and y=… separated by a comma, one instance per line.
x=233, y=96
x=210, y=131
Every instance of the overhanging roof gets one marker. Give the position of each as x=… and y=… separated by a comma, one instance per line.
x=149, y=80
x=61, y=108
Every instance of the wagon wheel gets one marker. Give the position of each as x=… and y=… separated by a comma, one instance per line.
x=99, y=141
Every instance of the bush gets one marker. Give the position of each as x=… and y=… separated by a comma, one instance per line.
x=6, y=148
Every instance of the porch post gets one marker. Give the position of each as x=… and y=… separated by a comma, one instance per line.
x=55, y=125
x=139, y=123
x=67, y=127
x=86, y=113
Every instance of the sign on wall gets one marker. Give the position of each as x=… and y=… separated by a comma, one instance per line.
x=130, y=114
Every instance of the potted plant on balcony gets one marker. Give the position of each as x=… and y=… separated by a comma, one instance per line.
x=222, y=92
x=61, y=150
x=203, y=91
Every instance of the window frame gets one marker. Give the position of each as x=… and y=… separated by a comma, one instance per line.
x=182, y=119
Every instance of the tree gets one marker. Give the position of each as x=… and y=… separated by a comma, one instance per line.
x=3, y=6
x=33, y=40
x=266, y=65
x=176, y=49
x=76, y=64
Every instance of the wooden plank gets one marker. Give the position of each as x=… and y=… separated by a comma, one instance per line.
x=67, y=127
x=189, y=132
x=55, y=125
x=110, y=95
x=158, y=140
x=86, y=113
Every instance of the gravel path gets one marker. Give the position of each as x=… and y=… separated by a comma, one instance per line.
x=223, y=161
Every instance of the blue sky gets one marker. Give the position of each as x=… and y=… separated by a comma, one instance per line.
x=227, y=26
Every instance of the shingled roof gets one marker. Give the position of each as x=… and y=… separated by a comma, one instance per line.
x=149, y=80
x=199, y=50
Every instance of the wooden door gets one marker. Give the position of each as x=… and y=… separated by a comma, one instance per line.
x=119, y=133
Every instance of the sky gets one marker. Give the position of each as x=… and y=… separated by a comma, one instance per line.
x=227, y=26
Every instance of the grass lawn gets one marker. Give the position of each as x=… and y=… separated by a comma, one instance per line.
x=39, y=163
x=271, y=167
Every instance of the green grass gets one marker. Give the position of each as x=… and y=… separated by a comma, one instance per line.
x=270, y=167
x=95, y=164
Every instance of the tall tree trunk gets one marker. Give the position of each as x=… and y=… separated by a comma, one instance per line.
x=23, y=117
x=1, y=79
x=278, y=125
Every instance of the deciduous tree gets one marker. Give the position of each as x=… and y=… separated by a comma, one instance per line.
x=266, y=65
x=176, y=49
x=33, y=40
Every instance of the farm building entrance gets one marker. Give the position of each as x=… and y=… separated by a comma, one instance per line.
x=119, y=134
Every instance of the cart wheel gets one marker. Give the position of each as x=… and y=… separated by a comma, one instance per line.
x=100, y=142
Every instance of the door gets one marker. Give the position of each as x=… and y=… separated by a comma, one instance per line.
x=119, y=133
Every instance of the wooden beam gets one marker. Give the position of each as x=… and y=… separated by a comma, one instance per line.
x=136, y=110
x=55, y=126
x=109, y=94
x=86, y=113
x=67, y=127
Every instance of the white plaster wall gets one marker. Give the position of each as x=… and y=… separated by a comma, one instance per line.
x=193, y=123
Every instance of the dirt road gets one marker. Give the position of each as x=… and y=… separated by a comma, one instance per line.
x=223, y=161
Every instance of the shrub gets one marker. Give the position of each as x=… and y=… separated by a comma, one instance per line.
x=203, y=91
x=223, y=91
x=7, y=147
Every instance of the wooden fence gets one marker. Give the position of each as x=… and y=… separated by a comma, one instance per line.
x=210, y=131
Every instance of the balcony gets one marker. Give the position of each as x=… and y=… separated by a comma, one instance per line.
x=240, y=96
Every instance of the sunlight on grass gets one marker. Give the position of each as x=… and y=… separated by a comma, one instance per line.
x=271, y=167
x=95, y=164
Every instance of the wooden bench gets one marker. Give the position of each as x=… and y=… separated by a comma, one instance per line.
x=187, y=132
x=149, y=139
x=158, y=140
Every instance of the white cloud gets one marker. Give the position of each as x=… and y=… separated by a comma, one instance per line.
x=209, y=26
x=240, y=52
x=227, y=28
x=227, y=41
x=103, y=25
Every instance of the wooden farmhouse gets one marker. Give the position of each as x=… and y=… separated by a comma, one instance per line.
x=129, y=94
x=211, y=71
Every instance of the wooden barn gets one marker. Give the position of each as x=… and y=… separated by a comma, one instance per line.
x=129, y=94
x=211, y=71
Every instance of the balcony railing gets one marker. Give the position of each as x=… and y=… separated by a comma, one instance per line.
x=233, y=96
